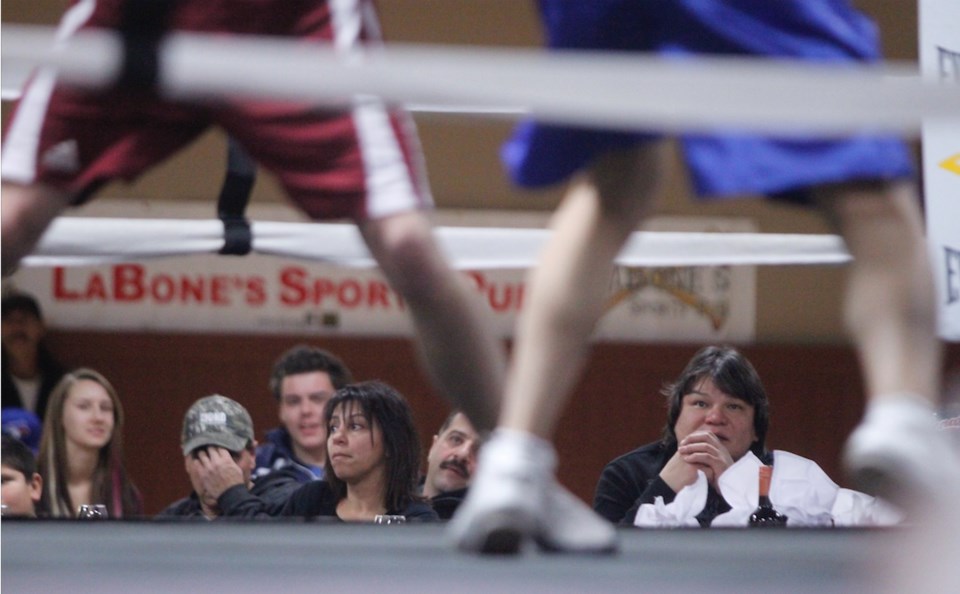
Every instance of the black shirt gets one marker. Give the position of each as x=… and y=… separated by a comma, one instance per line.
x=634, y=479
x=273, y=490
x=312, y=499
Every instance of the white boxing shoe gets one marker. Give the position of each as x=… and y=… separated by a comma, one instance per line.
x=569, y=526
x=506, y=494
x=899, y=454
x=514, y=499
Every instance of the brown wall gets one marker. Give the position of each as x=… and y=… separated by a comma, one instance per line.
x=815, y=393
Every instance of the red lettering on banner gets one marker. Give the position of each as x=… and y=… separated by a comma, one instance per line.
x=297, y=289
x=349, y=294
x=134, y=283
x=127, y=282
x=60, y=291
x=256, y=293
x=478, y=279
x=500, y=297
x=192, y=289
x=96, y=289
x=379, y=295
x=219, y=289
x=504, y=299
x=162, y=289
x=292, y=291
x=322, y=288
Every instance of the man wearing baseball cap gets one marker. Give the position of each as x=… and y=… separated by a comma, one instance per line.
x=219, y=430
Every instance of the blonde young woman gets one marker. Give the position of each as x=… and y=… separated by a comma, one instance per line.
x=81, y=452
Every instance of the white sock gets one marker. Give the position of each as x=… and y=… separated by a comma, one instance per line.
x=901, y=408
x=507, y=445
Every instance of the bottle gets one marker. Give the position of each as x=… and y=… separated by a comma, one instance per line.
x=765, y=516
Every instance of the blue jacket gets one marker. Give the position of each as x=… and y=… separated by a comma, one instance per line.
x=277, y=452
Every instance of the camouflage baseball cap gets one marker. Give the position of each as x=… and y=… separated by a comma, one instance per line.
x=216, y=420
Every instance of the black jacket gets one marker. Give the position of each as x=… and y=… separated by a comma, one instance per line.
x=273, y=490
x=446, y=503
x=634, y=479
x=310, y=500
x=50, y=374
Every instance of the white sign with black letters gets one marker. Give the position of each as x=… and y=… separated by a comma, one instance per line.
x=940, y=60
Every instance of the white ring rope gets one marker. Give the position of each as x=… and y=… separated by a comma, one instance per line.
x=585, y=88
x=89, y=241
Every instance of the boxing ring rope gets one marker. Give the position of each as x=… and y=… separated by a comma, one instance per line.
x=592, y=89
x=582, y=88
x=90, y=241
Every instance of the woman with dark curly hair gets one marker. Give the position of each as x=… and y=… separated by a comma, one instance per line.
x=373, y=452
x=372, y=467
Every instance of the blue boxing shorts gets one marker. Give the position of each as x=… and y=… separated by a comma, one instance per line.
x=723, y=164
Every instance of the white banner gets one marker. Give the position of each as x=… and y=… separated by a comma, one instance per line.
x=940, y=60
x=265, y=294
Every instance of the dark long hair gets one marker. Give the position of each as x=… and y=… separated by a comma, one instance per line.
x=383, y=405
x=732, y=373
x=110, y=484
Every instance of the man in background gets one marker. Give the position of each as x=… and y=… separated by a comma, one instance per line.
x=217, y=425
x=303, y=379
x=450, y=464
x=30, y=371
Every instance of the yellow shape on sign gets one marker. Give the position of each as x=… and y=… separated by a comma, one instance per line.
x=952, y=164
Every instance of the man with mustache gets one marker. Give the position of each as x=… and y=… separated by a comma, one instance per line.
x=450, y=464
x=30, y=371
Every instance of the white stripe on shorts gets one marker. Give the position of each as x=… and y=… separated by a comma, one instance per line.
x=23, y=141
x=387, y=177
